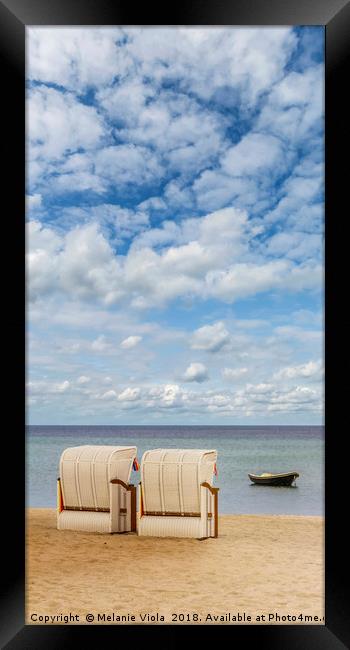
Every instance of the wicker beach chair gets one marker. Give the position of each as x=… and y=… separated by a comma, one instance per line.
x=93, y=490
x=176, y=495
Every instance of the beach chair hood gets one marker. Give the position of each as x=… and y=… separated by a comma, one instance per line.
x=171, y=479
x=86, y=472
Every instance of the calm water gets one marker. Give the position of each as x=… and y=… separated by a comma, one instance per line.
x=240, y=450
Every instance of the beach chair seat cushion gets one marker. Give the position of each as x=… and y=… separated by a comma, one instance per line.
x=164, y=526
x=93, y=522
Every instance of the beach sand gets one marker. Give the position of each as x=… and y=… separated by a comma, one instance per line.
x=259, y=565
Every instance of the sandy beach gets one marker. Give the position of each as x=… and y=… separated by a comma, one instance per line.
x=261, y=566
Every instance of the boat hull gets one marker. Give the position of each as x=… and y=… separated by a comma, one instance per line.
x=285, y=480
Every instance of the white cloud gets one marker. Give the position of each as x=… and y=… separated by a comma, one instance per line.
x=33, y=201
x=299, y=398
x=83, y=379
x=196, y=372
x=74, y=57
x=126, y=164
x=234, y=373
x=43, y=248
x=167, y=396
x=295, y=105
x=295, y=245
x=208, y=129
x=134, y=72
x=130, y=342
x=210, y=337
x=186, y=134
x=116, y=223
x=129, y=395
x=211, y=60
x=255, y=152
x=242, y=280
x=153, y=203
x=59, y=124
x=100, y=344
x=260, y=398
x=204, y=261
x=177, y=194
x=259, y=389
x=87, y=266
x=311, y=369
x=61, y=387
x=215, y=189
x=109, y=395
x=298, y=333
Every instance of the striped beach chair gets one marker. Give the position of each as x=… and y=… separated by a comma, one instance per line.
x=176, y=494
x=93, y=489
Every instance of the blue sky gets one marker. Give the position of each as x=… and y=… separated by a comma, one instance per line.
x=175, y=225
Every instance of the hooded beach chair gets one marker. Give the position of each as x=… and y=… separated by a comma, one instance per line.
x=93, y=490
x=176, y=494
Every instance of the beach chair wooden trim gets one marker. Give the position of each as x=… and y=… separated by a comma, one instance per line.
x=166, y=513
x=60, y=506
x=141, y=500
x=214, y=491
x=85, y=509
x=59, y=496
x=122, y=510
x=129, y=487
x=126, y=486
x=133, y=509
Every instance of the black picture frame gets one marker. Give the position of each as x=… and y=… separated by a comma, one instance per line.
x=15, y=15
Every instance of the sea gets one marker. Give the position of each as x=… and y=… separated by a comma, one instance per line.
x=241, y=450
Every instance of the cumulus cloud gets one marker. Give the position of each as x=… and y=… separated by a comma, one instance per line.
x=83, y=379
x=109, y=395
x=204, y=261
x=129, y=395
x=252, y=398
x=295, y=104
x=209, y=61
x=116, y=222
x=167, y=396
x=196, y=372
x=58, y=123
x=100, y=344
x=153, y=203
x=43, y=247
x=295, y=332
x=127, y=164
x=254, y=152
x=210, y=337
x=175, y=168
x=234, y=373
x=61, y=387
x=311, y=369
x=74, y=57
x=130, y=342
x=33, y=201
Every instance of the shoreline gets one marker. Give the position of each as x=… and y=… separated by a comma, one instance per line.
x=259, y=566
